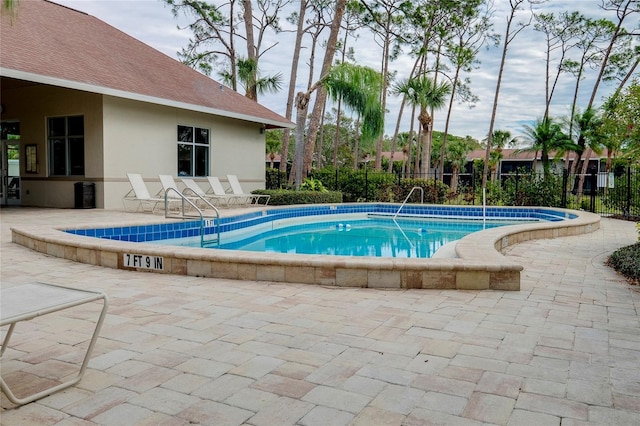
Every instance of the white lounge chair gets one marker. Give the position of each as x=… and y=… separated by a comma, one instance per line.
x=24, y=302
x=218, y=191
x=139, y=194
x=170, y=188
x=237, y=190
x=218, y=200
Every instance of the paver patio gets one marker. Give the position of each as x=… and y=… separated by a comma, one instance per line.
x=177, y=350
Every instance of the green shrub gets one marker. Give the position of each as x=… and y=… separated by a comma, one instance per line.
x=275, y=179
x=496, y=196
x=327, y=176
x=371, y=185
x=310, y=184
x=435, y=191
x=529, y=189
x=627, y=261
x=283, y=197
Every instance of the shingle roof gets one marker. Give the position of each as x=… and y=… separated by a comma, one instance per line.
x=53, y=44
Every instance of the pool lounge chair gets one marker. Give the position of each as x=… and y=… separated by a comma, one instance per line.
x=139, y=194
x=237, y=190
x=170, y=188
x=218, y=191
x=23, y=302
x=216, y=200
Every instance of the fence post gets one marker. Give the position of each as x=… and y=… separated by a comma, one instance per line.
x=516, y=197
x=565, y=179
x=473, y=184
x=366, y=183
x=628, y=212
x=594, y=190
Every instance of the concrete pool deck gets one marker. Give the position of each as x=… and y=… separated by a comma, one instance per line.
x=478, y=263
x=178, y=350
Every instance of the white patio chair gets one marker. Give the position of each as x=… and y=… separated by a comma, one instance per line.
x=170, y=188
x=140, y=194
x=217, y=200
x=236, y=188
x=217, y=190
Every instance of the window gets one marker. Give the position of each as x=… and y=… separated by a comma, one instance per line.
x=193, y=151
x=66, y=146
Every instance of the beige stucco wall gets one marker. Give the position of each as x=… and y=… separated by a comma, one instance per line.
x=31, y=106
x=124, y=136
x=142, y=138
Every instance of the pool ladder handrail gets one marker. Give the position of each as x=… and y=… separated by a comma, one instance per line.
x=403, y=203
x=203, y=217
x=409, y=196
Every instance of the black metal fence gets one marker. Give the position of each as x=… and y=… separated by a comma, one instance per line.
x=608, y=194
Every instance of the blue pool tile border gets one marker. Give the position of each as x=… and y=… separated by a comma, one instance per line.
x=191, y=228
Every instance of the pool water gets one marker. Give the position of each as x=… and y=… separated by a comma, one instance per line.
x=364, y=237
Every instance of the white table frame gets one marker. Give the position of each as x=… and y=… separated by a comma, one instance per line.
x=27, y=301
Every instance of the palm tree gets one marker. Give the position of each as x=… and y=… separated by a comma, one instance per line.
x=404, y=88
x=359, y=89
x=456, y=154
x=273, y=145
x=585, y=129
x=547, y=136
x=247, y=74
x=428, y=95
x=500, y=140
x=582, y=130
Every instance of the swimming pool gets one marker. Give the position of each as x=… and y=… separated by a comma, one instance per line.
x=350, y=235
x=474, y=263
x=191, y=228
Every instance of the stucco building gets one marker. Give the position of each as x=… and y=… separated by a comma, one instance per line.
x=85, y=102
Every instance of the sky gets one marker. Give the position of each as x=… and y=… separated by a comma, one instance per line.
x=521, y=97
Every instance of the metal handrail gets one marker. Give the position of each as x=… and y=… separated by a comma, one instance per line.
x=200, y=214
x=408, y=196
x=208, y=203
x=403, y=233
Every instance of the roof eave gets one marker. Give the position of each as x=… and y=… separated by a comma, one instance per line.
x=85, y=87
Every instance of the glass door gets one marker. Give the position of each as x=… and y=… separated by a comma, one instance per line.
x=10, y=163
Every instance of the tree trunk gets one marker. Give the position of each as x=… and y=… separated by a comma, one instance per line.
x=454, y=179
x=426, y=122
x=292, y=85
x=443, y=148
x=321, y=95
x=385, y=72
x=418, y=155
x=508, y=37
x=394, y=141
x=356, y=144
x=302, y=106
x=336, y=141
x=621, y=15
x=312, y=130
x=232, y=49
x=251, y=49
x=320, y=141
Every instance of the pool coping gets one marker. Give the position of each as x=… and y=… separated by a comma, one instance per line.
x=479, y=265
